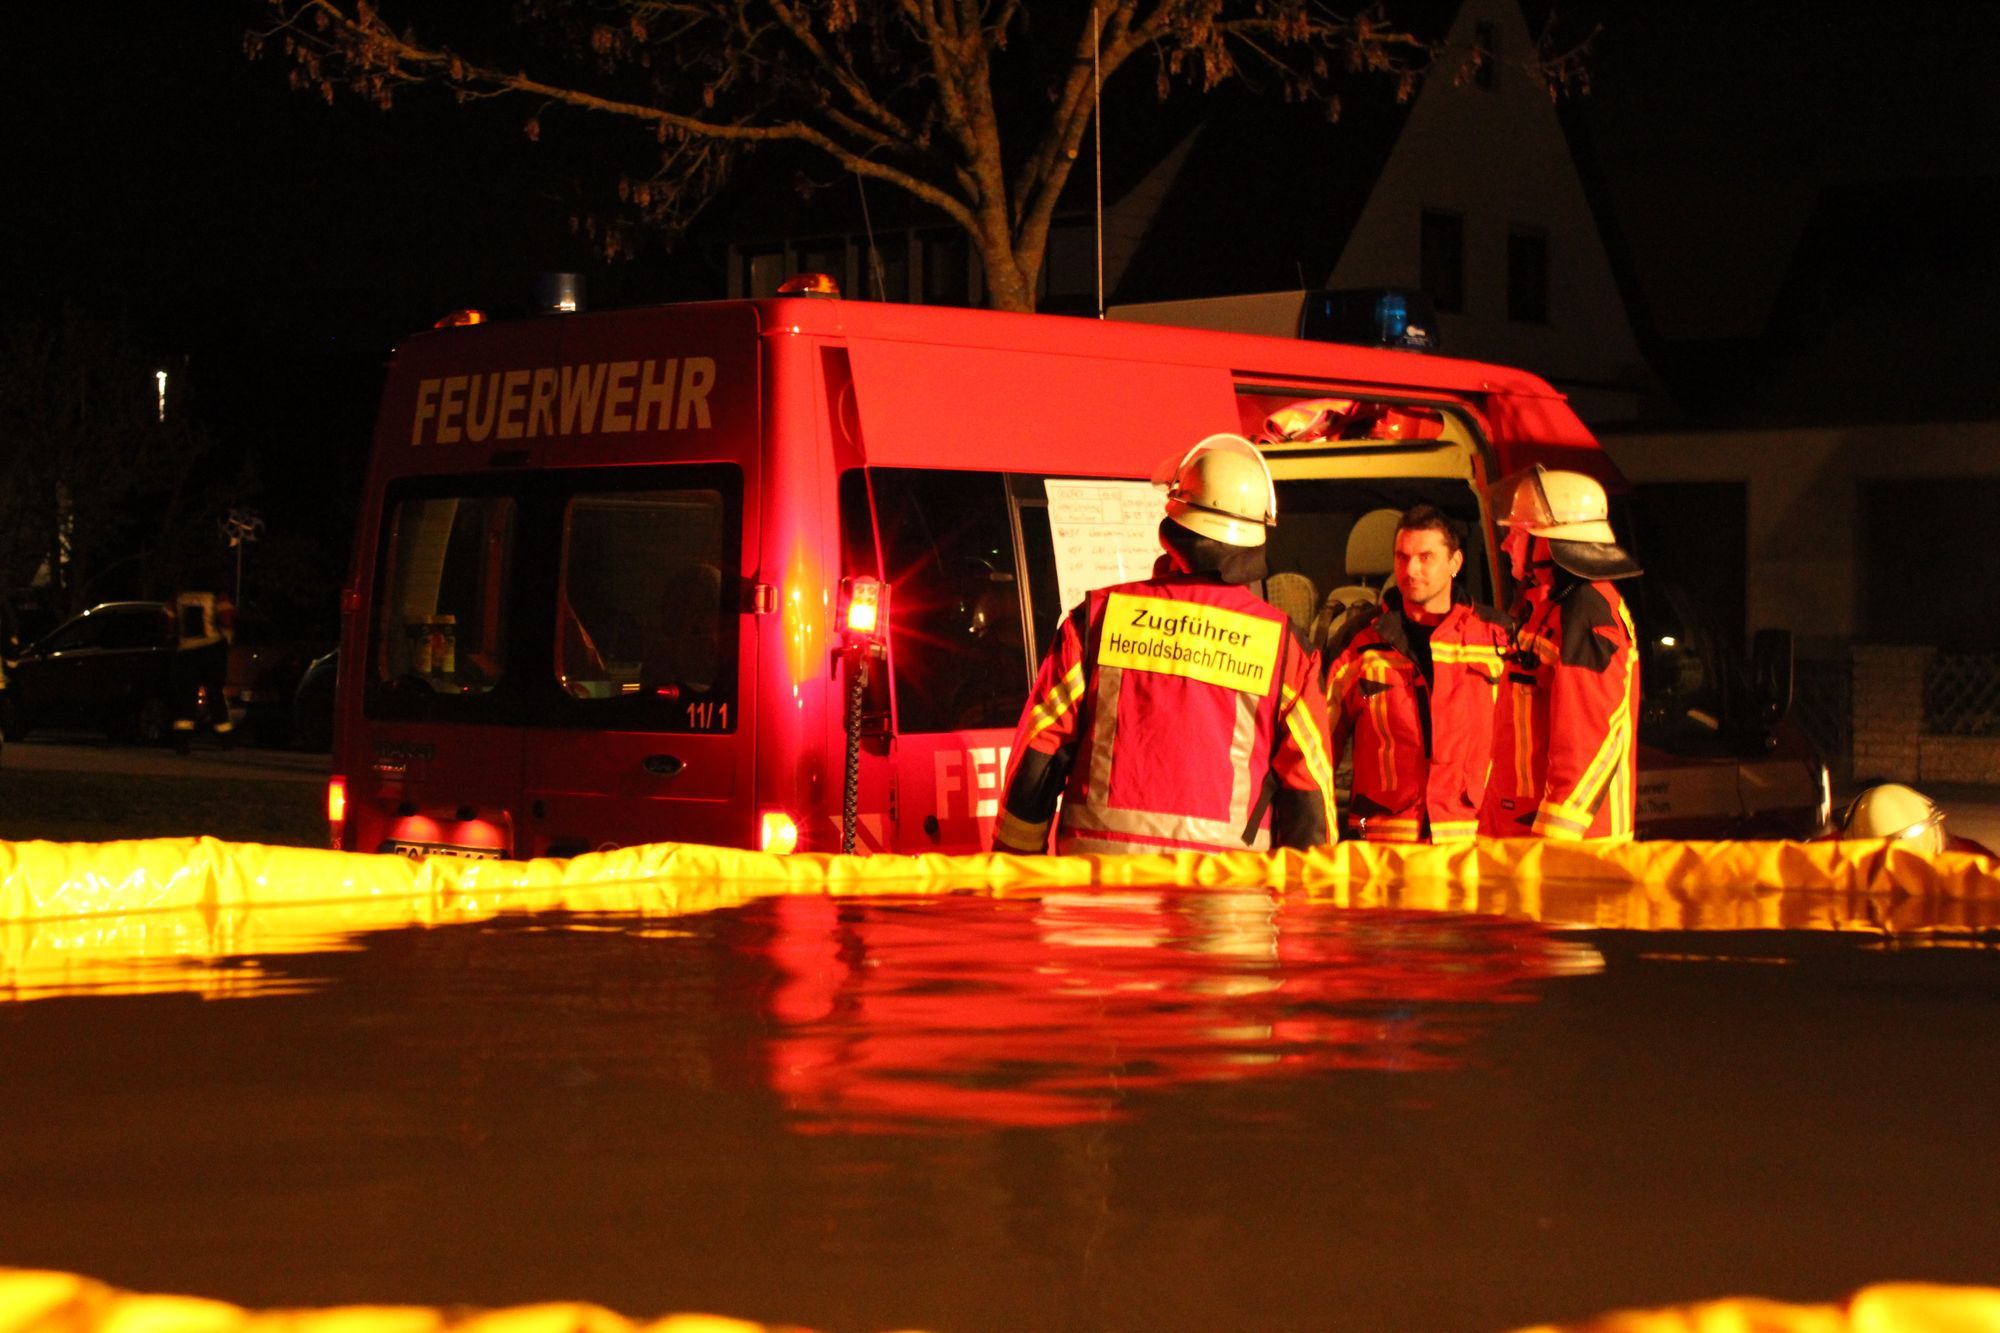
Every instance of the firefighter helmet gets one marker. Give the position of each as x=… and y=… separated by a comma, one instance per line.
x=1572, y=512
x=1567, y=505
x=1220, y=489
x=1891, y=810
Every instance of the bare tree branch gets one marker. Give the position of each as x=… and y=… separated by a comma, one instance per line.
x=843, y=74
x=904, y=92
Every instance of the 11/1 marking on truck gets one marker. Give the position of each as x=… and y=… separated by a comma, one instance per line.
x=708, y=715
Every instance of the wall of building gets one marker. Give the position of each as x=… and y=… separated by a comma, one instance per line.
x=1889, y=686
x=1805, y=511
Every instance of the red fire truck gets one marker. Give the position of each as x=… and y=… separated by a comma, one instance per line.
x=777, y=573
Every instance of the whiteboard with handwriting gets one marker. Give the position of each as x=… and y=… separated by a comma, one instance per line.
x=1105, y=532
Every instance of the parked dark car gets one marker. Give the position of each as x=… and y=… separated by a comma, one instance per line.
x=109, y=668
x=265, y=667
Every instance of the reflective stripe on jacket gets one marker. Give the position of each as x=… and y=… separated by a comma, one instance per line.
x=1421, y=749
x=1169, y=703
x=1565, y=731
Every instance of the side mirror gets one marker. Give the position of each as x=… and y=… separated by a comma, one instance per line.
x=1771, y=673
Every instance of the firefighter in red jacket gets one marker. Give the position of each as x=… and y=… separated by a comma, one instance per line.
x=1173, y=713
x=200, y=669
x=1565, y=730
x=1414, y=692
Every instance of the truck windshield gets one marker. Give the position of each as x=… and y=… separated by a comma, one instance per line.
x=1337, y=533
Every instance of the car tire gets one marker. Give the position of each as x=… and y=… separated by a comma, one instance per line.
x=13, y=726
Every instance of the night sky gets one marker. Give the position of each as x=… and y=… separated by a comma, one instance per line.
x=190, y=186
x=1717, y=137
x=159, y=177
x=275, y=246
x=163, y=174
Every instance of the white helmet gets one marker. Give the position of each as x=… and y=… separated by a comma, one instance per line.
x=1222, y=489
x=1891, y=810
x=1566, y=505
x=1571, y=510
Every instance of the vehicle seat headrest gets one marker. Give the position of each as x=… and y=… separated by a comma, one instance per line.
x=1371, y=544
x=1295, y=595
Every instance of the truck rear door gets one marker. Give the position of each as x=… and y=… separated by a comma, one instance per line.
x=434, y=763
x=644, y=731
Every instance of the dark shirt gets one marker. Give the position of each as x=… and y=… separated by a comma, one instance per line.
x=1419, y=646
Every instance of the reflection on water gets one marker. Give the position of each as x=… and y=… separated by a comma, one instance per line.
x=204, y=949
x=964, y=1008
x=1055, y=1011
x=214, y=954
x=1173, y=1111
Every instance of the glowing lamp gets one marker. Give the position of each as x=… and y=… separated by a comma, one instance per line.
x=777, y=832
x=1371, y=317
x=862, y=617
x=558, y=293
x=336, y=807
x=461, y=318
x=809, y=284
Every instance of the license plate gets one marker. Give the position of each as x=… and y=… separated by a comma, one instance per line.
x=417, y=851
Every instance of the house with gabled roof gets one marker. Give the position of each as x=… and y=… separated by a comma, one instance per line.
x=1467, y=192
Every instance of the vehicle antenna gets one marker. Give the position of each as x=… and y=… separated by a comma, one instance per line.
x=1097, y=149
x=868, y=225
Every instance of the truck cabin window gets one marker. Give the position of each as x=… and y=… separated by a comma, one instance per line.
x=957, y=656
x=441, y=627
x=640, y=610
x=1340, y=534
x=1347, y=468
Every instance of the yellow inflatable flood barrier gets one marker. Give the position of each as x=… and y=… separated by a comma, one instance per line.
x=1890, y=1307
x=34, y=1301
x=1639, y=884
x=115, y=915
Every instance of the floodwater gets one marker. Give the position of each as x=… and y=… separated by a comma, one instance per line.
x=1091, y=1111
